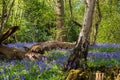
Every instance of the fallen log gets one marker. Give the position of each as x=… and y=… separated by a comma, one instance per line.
x=15, y=53
x=49, y=45
x=12, y=53
x=34, y=52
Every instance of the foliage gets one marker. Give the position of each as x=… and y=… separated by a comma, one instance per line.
x=37, y=20
x=109, y=29
x=72, y=29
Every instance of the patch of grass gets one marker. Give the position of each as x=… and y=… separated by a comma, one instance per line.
x=107, y=49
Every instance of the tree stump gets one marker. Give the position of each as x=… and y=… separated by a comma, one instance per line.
x=99, y=76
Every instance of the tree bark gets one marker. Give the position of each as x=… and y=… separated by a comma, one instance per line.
x=8, y=33
x=59, y=10
x=12, y=53
x=49, y=45
x=79, y=56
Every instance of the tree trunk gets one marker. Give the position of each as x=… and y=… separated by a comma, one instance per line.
x=5, y=14
x=71, y=11
x=79, y=56
x=71, y=15
x=99, y=15
x=59, y=9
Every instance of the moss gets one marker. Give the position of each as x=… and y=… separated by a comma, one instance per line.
x=109, y=73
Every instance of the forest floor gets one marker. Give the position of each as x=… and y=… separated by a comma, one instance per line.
x=50, y=66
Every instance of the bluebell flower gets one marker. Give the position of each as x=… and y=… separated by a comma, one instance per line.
x=13, y=62
x=106, y=56
x=44, y=58
x=27, y=67
x=41, y=69
x=22, y=77
x=13, y=77
x=40, y=62
x=0, y=73
x=4, y=78
x=47, y=68
x=54, y=61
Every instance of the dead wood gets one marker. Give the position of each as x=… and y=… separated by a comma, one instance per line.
x=36, y=51
x=8, y=33
x=15, y=53
x=49, y=45
x=12, y=53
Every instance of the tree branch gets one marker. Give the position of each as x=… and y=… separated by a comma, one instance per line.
x=8, y=33
x=77, y=23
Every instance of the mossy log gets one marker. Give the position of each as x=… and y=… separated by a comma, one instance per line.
x=76, y=75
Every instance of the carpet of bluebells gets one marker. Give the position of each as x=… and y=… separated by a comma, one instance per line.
x=50, y=67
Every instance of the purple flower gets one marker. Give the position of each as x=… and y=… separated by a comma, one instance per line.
x=13, y=77
x=44, y=58
x=41, y=69
x=27, y=67
x=4, y=78
x=0, y=73
x=54, y=61
x=47, y=68
x=13, y=62
x=22, y=77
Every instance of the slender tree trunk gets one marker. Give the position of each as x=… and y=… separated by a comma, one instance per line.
x=79, y=56
x=59, y=9
x=71, y=12
x=5, y=14
x=72, y=16
x=97, y=22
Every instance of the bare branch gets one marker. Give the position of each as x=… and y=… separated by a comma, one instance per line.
x=8, y=33
x=77, y=23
